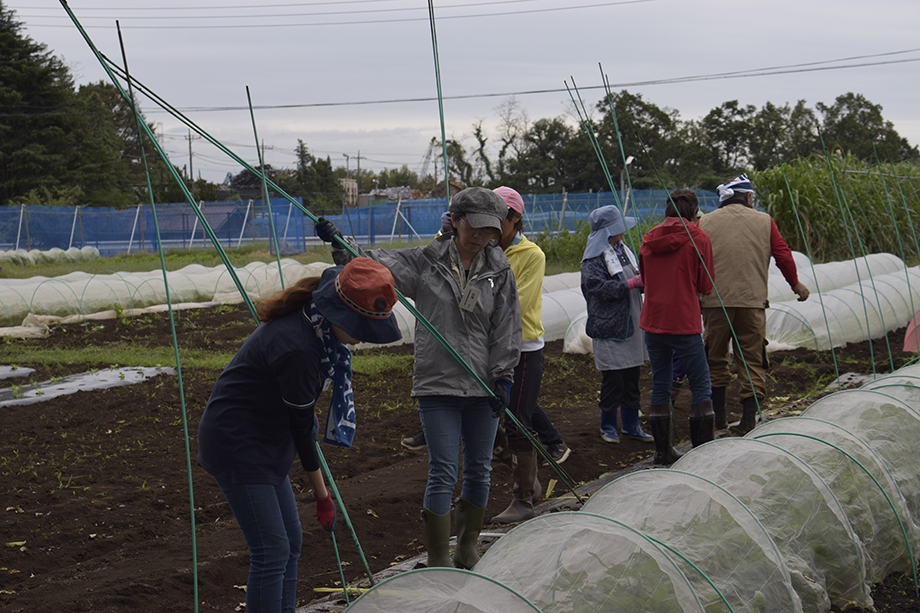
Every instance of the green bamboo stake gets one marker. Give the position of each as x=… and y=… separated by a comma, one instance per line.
x=865, y=257
x=897, y=232
x=437, y=76
x=616, y=126
x=165, y=158
x=840, y=205
x=827, y=324
x=341, y=505
x=268, y=200
x=172, y=326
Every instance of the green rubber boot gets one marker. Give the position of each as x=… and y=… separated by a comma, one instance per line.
x=437, y=538
x=469, y=520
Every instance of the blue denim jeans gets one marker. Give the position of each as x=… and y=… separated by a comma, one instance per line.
x=268, y=517
x=689, y=348
x=447, y=422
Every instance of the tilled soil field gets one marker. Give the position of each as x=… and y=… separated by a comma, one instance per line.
x=97, y=513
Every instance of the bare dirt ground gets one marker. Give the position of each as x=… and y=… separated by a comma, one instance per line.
x=96, y=505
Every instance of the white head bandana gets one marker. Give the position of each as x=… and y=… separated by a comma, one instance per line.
x=739, y=185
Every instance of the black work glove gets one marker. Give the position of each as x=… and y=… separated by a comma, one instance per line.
x=502, y=390
x=326, y=230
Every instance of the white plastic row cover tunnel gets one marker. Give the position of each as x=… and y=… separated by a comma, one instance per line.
x=50, y=256
x=82, y=293
x=825, y=277
x=844, y=296
x=864, y=310
x=78, y=294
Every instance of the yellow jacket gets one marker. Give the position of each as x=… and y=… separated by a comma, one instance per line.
x=529, y=265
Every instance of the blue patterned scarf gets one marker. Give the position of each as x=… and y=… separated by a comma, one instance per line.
x=335, y=366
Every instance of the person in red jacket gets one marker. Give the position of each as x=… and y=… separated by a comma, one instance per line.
x=674, y=262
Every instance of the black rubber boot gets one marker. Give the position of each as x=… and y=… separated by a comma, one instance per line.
x=748, y=416
x=702, y=422
x=437, y=538
x=501, y=450
x=469, y=520
x=718, y=408
x=661, y=429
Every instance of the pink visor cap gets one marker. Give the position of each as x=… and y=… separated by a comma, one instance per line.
x=511, y=198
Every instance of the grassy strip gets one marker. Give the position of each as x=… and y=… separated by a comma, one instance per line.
x=122, y=354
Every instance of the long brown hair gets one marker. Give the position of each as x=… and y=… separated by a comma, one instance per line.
x=287, y=300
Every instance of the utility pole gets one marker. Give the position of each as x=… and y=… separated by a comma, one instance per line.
x=358, y=175
x=191, y=171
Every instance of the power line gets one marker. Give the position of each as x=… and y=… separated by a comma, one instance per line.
x=758, y=72
x=127, y=26
x=223, y=10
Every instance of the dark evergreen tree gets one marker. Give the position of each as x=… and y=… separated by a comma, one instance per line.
x=37, y=122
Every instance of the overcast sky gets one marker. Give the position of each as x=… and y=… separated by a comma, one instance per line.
x=358, y=76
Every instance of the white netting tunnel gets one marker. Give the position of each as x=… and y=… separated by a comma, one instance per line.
x=798, y=510
x=588, y=563
x=708, y=526
x=441, y=590
x=802, y=513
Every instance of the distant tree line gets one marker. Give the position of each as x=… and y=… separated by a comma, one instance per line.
x=548, y=155
x=78, y=146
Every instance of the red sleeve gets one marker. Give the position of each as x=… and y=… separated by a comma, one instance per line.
x=704, y=283
x=783, y=255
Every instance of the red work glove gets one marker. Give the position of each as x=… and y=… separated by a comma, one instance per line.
x=635, y=282
x=325, y=512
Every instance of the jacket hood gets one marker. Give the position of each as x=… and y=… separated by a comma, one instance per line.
x=670, y=235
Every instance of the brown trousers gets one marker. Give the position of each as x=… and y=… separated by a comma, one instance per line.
x=750, y=328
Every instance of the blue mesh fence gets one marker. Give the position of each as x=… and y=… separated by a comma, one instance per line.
x=237, y=223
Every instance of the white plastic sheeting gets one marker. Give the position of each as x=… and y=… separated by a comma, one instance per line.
x=857, y=312
x=884, y=300
x=80, y=293
x=825, y=277
x=850, y=301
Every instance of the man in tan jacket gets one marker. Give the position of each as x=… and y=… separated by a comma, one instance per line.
x=743, y=240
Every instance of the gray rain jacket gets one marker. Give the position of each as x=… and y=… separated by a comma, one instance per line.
x=488, y=338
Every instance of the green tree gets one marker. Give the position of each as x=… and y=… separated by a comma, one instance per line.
x=542, y=165
x=36, y=130
x=780, y=134
x=853, y=123
x=648, y=135
x=316, y=179
x=725, y=134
